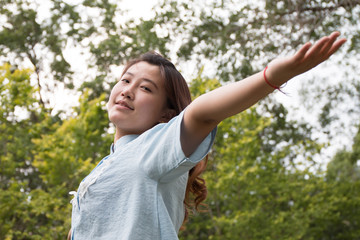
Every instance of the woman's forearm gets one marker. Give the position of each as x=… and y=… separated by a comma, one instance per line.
x=231, y=99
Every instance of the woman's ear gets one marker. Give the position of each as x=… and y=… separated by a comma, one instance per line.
x=167, y=115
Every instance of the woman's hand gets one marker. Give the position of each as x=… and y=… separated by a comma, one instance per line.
x=283, y=69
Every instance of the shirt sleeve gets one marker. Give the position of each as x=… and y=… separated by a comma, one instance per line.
x=162, y=157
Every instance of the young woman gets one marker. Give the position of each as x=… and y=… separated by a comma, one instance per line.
x=141, y=190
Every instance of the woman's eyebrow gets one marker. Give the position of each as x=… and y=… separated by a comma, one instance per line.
x=144, y=79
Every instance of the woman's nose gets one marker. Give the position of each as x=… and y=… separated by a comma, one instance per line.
x=128, y=93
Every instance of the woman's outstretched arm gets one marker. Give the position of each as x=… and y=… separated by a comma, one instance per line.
x=205, y=112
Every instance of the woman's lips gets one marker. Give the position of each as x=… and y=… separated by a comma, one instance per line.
x=123, y=105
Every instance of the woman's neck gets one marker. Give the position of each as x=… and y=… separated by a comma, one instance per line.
x=119, y=134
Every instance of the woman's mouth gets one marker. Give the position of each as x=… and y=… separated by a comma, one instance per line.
x=123, y=105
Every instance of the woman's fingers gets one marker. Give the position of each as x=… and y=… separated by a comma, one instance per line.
x=335, y=46
x=322, y=49
x=312, y=52
x=315, y=52
x=299, y=56
x=329, y=44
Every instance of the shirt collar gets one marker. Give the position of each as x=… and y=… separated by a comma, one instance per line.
x=122, y=141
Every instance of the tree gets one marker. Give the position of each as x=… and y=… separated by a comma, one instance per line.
x=18, y=120
x=338, y=199
x=24, y=36
x=263, y=179
x=43, y=39
x=345, y=166
x=43, y=158
x=237, y=39
x=256, y=190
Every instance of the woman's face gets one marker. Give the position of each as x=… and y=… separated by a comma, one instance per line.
x=138, y=101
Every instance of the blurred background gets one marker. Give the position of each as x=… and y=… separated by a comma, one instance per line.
x=287, y=168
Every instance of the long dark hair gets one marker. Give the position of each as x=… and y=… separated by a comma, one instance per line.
x=178, y=97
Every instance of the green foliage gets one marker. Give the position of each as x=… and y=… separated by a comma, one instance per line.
x=43, y=158
x=23, y=33
x=345, y=166
x=17, y=98
x=258, y=191
x=69, y=145
x=262, y=175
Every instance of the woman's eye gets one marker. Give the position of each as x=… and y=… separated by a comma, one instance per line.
x=125, y=80
x=146, y=89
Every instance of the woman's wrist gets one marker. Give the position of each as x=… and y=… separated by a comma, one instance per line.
x=272, y=83
x=267, y=81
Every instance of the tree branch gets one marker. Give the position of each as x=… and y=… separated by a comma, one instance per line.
x=34, y=61
x=344, y=4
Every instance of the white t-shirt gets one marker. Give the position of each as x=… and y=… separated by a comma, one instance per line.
x=137, y=192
